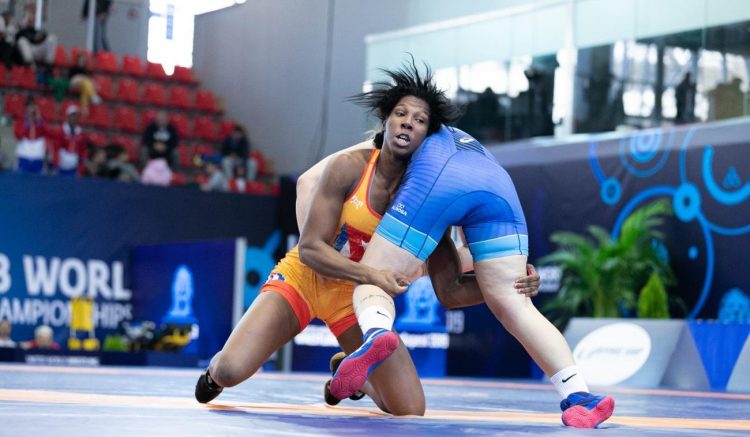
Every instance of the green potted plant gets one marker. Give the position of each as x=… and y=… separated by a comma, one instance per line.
x=601, y=275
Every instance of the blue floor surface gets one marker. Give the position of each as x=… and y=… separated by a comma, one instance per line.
x=114, y=401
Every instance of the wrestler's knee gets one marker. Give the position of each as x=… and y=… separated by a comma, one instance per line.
x=227, y=372
x=410, y=406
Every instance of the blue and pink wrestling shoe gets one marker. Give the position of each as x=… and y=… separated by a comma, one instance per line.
x=585, y=410
x=353, y=371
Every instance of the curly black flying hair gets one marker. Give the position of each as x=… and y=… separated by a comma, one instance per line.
x=407, y=81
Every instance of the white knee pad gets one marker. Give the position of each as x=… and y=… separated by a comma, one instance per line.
x=374, y=308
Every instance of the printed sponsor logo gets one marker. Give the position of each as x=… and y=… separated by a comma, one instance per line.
x=356, y=202
x=399, y=208
x=613, y=353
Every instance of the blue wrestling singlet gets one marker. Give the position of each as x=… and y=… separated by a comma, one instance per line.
x=452, y=180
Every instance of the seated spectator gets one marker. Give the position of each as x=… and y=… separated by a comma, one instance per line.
x=35, y=45
x=43, y=339
x=31, y=133
x=235, y=150
x=216, y=179
x=238, y=184
x=157, y=171
x=119, y=165
x=160, y=139
x=5, y=340
x=69, y=152
x=80, y=82
x=96, y=164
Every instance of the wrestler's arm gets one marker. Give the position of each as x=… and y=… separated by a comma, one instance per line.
x=308, y=181
x=454, y=288
x=321, y=224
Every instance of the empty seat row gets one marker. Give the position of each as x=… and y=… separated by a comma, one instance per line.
x=157, y=94
x=131, y=65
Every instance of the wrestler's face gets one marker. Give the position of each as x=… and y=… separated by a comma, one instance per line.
x=406, y=126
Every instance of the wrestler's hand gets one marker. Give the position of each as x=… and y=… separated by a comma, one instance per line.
x=390, y=282
x=528, y=285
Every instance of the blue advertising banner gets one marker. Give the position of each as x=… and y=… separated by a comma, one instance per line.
x=62, y=238
x=187, y=284
x=700, y=169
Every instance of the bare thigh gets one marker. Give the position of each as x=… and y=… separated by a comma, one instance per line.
x=396, y=383
x=266, y=326
x=384, y=255
x=497, y=276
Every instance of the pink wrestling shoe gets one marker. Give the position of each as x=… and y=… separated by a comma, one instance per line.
x=354, y=369
x=585, y=410
x=334, y=364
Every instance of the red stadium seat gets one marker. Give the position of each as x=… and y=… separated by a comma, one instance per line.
x=100, y=116
x=260, y=159
x=178, y=179
x=226, y=127
x=185, y=155
x=127, y=90
x=75, y=51
x=205, y=100
x=132, y=65
x=154, y=94
x=22, y=77
x=3, y=75
x=147, y=116
x=104, y=87
x=182, y=124
x=47, y=108
x=155, y=71
x=14, y=105
x=255, y=187
x=98, y=139
x=106, y=62
x=183, y=74
x=126, y=119
x=205, y=128
x=61, y=57
x=179, y=97
x=204, y=149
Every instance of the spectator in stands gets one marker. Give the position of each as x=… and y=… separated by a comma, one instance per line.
x=157, y=171
x=235, y=151
x=10, y=28
x=5, y=340
x=216, y=180
x=7, y=37
x=119, y=165
x=96, y=164
x=100, y=23
x=160, y=139
x=31, y=133
x=43, y=339
x=35, y=45
x=69, y=152
x=81, y=82
x=238, y=183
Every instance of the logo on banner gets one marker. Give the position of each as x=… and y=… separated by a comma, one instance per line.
x=181, y=310
x=613, y=353
x=421, y=311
